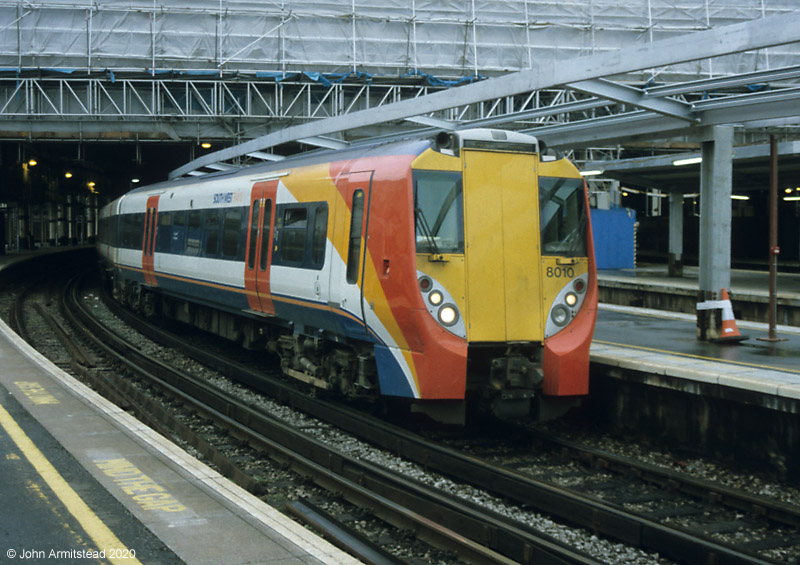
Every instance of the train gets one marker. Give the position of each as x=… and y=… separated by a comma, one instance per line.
x=442, y=274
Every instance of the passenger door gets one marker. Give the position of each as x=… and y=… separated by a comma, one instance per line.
x=351, y=228
x=149, y=240
x=260, y=228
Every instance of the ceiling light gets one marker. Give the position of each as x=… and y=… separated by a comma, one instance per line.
x=689, y=161
x=32, y=162
x=205, y=145
x=791, y=198
x=134, y=181
x=591, y=172
x=67, y=175
x=739, y=197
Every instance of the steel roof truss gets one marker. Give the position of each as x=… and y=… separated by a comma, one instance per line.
x=326, y=142
x=746, y=79
x=635, y=97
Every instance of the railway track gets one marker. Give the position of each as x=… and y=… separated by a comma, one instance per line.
x=605, y=504
x=767, y=525
x=662, y=504
x=466, y=531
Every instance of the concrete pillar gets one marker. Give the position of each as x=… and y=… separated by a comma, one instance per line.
x=61, y=223
x=2, y=230
x=70, y=221
x=616, y=196
x=24, y=227
x=89, y=214
x=52, y=231
x=675, y=234
x=95, y=215
x=716, y=179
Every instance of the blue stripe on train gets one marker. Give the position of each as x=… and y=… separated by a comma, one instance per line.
x=390, y=374
x=224, y=297
x=391, y=377
x=305, y=312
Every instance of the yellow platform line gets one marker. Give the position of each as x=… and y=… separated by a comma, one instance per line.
x=103, y=537
x=693, y=356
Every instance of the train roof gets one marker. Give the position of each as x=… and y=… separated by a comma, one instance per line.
x=404, y=147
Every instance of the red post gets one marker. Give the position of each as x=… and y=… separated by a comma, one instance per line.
x=774, y=250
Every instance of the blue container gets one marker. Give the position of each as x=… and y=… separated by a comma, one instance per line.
x=614, y=238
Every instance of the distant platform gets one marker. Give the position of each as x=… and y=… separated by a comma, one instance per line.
x=649, y=286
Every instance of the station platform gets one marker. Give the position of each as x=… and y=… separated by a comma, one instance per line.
x=649, y=286
x=82, y=479
x=664, y=342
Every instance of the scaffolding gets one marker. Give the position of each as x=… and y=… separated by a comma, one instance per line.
x=383, y=38
x=237, y=70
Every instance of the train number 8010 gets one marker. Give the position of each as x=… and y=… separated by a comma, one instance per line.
x=558, y=272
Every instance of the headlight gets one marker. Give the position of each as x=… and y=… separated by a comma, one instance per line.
x=425, y=284
x=571, y=299
x=441, y=305
x=579, y=285
x=448, y=315
x=560, y=315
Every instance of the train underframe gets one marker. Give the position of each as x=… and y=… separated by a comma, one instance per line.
x=502, y=379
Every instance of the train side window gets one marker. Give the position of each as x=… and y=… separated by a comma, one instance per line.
x=231, y=232
x=153, y=230
x=149, y=221
x=265, y=233
x=319, y=236
x=151, y=239
x=354, y=251
x=147, y=229
x=212, y=233
x=293, y=235
x=254, y=221
x=178, y=239
x=194, y=233
x=125, y=235
x=138, y=230
x=164, y=232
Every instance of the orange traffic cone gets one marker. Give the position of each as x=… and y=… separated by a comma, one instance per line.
x=729, y=331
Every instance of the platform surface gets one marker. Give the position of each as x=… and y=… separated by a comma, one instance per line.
x=665, y=332
x=81, y=475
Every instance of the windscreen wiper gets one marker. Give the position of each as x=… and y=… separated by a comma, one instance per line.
x=425, y=229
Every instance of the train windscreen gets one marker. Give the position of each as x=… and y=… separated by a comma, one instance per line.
x=439, y=212
x=563, y=216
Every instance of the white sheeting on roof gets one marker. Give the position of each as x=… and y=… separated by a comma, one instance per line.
x=446, y=38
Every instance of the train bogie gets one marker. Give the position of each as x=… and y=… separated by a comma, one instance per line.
x=434, y=271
